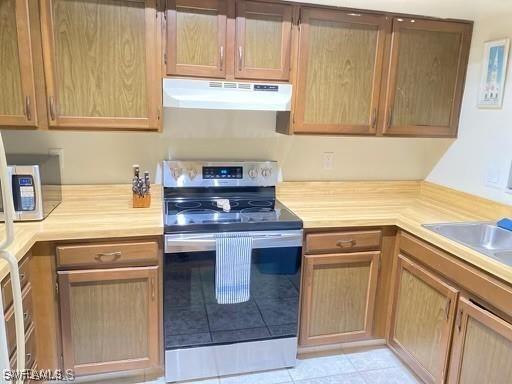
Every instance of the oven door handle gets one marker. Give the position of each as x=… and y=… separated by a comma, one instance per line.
x=176, y=243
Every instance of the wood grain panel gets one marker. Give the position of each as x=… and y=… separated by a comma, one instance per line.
x=109, y=319
x=11, y=97
x=340, y=63
x=482, y=351
x=100, y=58
x=262, y=41
x=196, y=38
x=338, y=297
x=417, y=325
x=263, y=38
x=340, y=73
x=421, y=324
x=107, y=254
x=426, y=77
x=98, y=310
x=427, y=68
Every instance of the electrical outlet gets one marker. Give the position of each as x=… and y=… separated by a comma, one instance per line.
x=58, y=152
x=328, y=159
x=492, y=177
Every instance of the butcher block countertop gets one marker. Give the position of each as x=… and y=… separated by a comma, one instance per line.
x=405, y=204
x=105, y=211
x=89, y=212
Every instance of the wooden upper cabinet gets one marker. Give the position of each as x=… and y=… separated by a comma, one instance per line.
x=482, y=347
x=17, y=98
x=339, y=72
x=338, y=297
x=427, y=70
x=263, y=37
x=196, y=38
x=109, y=319
x=101, y=63
x=422, y=320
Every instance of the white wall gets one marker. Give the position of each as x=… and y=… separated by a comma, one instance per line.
x=99, y=157
x=484, y=147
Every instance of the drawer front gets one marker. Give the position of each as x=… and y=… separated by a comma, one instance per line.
x=10, y=326
x=7, y=287
x=335, y=242
x=30, y=349
x=107, y=254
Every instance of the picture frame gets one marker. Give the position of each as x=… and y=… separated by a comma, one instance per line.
x=494, y=73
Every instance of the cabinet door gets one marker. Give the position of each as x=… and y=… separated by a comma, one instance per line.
x=482, y=347
x=17, y=98
x=426, y=77
x=109, y=319
x=196, y=38
x=422, y=320
x=263, y=34
x=339, y=72
x=338, y=297
x=101, y=63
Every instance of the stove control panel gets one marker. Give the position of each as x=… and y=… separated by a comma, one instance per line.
x=219, y=173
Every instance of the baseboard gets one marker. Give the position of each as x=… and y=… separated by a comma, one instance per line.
x=303, y=351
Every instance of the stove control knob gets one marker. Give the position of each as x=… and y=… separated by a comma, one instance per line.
x=266, y=172
x=253, y=173
x=176, y=173
x=192, y=173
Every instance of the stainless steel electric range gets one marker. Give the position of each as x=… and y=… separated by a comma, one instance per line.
x=203, y=338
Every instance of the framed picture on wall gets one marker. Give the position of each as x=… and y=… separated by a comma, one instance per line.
x=494, y=71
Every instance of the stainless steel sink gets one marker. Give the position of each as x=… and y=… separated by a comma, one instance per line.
x=486, y=238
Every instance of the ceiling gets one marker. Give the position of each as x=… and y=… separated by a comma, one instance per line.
x=460, y=9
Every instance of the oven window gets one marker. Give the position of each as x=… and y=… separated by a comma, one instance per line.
x=192, y=316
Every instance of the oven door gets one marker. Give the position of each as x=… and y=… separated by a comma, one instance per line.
x=192, y=316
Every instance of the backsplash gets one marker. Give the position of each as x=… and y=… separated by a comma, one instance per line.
x=107, y=157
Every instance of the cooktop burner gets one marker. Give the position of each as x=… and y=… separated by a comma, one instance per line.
x=201, y=219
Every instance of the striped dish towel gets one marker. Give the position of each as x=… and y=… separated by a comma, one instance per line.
x=232, y=267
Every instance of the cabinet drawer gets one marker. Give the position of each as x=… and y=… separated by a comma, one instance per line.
x=107, y=254
x=30, y=349
x=7, y=287
x=10, y=327
x=330, y=242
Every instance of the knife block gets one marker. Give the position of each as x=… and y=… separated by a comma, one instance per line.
x=141, y=201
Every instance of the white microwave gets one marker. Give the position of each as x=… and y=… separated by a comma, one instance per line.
x=36, y=186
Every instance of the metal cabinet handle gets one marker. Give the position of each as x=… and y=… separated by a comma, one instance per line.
x=51, y=101
x=240, y=56
x=447, y=309
x=390, y=117
x=221, y=65
x=28, y=111
x=346, y=243
x=26, y=318
x=153, y=293
x=374, y=118
x=114, y=256
x=459, y=321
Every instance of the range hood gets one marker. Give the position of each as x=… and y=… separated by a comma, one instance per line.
x=217, y=94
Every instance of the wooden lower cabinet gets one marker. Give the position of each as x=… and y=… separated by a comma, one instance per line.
x=482, y=347
x=338, y=297
x=109, y=319
x=422, y=319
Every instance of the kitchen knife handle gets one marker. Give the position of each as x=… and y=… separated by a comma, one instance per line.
x=240, y=57
x=221, y=65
